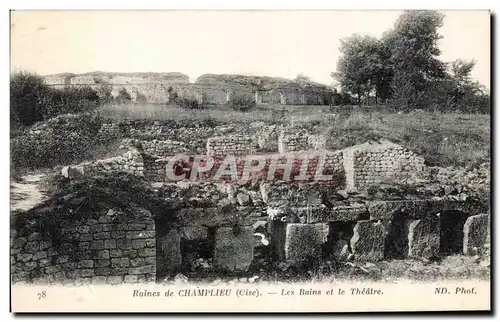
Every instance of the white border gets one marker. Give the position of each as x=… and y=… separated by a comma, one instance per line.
x=193, y=5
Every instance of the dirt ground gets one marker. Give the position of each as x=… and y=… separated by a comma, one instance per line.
x=26, y=193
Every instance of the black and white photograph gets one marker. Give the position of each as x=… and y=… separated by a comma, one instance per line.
x=240, y=158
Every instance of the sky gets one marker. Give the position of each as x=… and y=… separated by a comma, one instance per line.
x=260, y=43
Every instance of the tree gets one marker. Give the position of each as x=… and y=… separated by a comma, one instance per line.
x=123, y=96
x=413, y=51
x=361, y=68
x=302, y=80
x=28, y=91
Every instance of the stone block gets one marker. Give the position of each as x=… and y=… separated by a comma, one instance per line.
x=305, y=241
x=324, y=214
x=424, y=237
x=234, y=248
x=137, y=262
x=475, y=233
x=109, y=243
x=278, y=238
x=170, y=249
x=86, y=263
x=86, y=272
x=120, y=262
x=115, y=253
x=101, y=254
x=368, y=241
x=141, y=270
x=113, y=280
x=98, y=280
x=139, y=243
x=131, y=279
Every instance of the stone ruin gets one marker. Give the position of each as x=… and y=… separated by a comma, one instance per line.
x=159, y=88
x=241, y=225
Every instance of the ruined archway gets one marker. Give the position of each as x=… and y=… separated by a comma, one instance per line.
x=451, y=233
x=396, y=241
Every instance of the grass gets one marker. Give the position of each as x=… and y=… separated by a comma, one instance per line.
x=445, y=139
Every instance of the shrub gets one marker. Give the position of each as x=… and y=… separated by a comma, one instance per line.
x=241, y=103
x=123, y=97
x=58, y=141
x=31, y=100
x=188, y=103
x=27, y=93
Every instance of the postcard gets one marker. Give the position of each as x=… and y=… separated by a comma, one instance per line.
x=250, y=161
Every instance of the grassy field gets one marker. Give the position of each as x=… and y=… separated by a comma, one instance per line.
x=445, y=139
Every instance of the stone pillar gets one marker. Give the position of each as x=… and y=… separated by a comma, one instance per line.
x=368, y=241
x=199, y=96
x=475, y=233
x=234, y=248
x=229, y=95
x=282, y=98
x=170, y=250
x=424, y=237
x=258, y=98
x=278, y=238
x=305, y=241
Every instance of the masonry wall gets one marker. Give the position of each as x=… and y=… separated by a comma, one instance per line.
x=231, y=145
x=300, y=141
x=159, y=148
x=157, y=90
x=329, y=164
x=94, y=251
x=131, y=162
x=381, y=164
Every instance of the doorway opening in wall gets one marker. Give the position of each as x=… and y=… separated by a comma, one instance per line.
x=198, y=250
x=339, y=237
x=396, y=241
x=452, y=232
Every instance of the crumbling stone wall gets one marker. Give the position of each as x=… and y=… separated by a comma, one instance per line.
x=131, y=162
x=299, y=167
x=158, y=148
x=231, y=145
x=368, y=164
x=300, y=141
x=156, y=89
x=109, y=249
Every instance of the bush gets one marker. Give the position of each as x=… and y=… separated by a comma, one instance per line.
x=31, y=100
x=188, y=103
x=123, y=97
x=27, y=92
x=241, y=103
x=58, y=141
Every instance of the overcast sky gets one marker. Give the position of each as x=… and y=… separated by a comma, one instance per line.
x=270, y=43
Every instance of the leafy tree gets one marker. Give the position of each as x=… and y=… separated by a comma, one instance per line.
x=27, y=94
x=123, y=96
x=361, y=69
x=302, y=80
x=413, y=49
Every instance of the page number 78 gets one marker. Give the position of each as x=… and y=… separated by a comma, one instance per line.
x=41, y=295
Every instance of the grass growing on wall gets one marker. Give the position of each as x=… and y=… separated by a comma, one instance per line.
x=446, y=139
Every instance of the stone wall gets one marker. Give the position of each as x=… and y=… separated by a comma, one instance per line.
x=113, y=248
x=131, y=162
x=156, y=89
x=368, y=164
x=158, y=148
x=234, y=237
x=109, y=249
x=231, y=145
x=300, y=141
x=300, y=167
